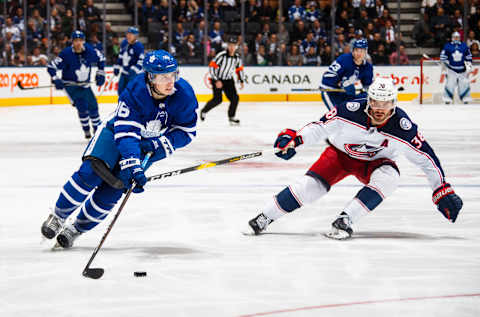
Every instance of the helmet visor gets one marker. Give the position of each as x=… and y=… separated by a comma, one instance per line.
x=164, y=78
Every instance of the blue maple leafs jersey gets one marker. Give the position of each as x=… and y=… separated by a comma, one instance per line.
x=347, y=127
x=139, y=115
x=76, y=67
x=454, y=55
x=130, y=57
x=343, y=72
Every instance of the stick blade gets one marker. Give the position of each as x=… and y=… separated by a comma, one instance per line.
x=94, y=273
x=19, y=85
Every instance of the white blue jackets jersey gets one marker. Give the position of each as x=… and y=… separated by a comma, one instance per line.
x=76, y=67
x=130, y=57
x=347, y=127
x=343, y=72
x=139, y=115
x=454, y=55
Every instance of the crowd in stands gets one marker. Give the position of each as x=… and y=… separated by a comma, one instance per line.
x=13, y=31
x=440, y=18
x=301, y=35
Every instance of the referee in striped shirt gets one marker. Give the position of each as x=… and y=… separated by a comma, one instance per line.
x=221, y=70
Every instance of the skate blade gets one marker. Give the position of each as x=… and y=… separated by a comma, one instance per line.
x=337, y=236
x=56, y=247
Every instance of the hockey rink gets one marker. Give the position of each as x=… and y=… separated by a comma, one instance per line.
x=405, y=258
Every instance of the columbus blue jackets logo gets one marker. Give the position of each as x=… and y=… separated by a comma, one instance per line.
x=353, y=106
x=362, y=150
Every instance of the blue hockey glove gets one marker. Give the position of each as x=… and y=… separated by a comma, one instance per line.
x=286, y=142
x=116, y=70
x=160, y=147
x=131, y=170
x=100, y=77
x=58, y=84
x=448, y=203
x=350, y=90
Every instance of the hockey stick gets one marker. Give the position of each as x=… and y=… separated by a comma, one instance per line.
x=400, y=88
x=96, y=273
x=66, y=83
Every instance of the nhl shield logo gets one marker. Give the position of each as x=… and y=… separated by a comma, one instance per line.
x=353, y=106
x=405, y=124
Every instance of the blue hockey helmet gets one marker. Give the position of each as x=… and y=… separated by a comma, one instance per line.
x=78, y=35
x=160, y=62
x=132, y=30
x=360, y=43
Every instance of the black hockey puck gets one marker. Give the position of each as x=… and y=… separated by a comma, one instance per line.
x=139, y=274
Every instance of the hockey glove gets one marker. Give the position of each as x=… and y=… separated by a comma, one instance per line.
x=350, y=90
x=116, y=70
x=448, y=203
x=131, y=170
x=286, y=142
x=100, y=77
x=58, y=84
x=160, y=147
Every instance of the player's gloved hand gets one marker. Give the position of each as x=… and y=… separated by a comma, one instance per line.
x=160, y=148
x=468, y=67
x=100, y=77
x=58, y=84
x=448, y=203
x=286, y=142
x=131, y=170
x=116, y=70
x=350, y=90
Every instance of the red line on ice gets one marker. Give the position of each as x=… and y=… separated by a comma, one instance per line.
x=291, y=310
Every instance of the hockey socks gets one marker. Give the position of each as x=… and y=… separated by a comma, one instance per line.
x=72, y=195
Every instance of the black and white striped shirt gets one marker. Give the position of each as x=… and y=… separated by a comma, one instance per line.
x=223, y=66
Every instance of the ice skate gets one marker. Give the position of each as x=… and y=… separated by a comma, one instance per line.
x=66, y=237
x=233, y=121
x=88, y=135
x=259, y=223
x=52, y=226
x=341, y=229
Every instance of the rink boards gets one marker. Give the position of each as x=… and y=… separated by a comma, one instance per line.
x=262, y=84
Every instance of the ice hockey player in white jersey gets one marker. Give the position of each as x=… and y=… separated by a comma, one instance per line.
x=155, y=114
x=456, y=62
x=75, y=62
x=344, y=72
x=364, y=138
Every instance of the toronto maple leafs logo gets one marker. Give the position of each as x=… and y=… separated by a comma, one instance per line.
x=362, y=150
x=157, y=127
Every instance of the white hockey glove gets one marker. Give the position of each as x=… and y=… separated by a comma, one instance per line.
x=468, y=67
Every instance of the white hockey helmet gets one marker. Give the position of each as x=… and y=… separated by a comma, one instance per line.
x=456, y=36
x=382, y=89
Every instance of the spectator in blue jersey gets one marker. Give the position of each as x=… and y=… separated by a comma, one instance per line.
x=216, y=36
x=344, y=73
x=155, y=114
x=75, y=62
x=130, y=59
x=296, y=11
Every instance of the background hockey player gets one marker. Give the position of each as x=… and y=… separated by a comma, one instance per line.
x=130, y=59
x=156, y=113
x=344, y=72
x=76, y=63
x=222, y=69
x=364, y=139
x=456, y=62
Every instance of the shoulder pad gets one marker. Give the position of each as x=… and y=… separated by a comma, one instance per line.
x=401, y=125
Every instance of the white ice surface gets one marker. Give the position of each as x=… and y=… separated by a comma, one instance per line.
x=405, y=259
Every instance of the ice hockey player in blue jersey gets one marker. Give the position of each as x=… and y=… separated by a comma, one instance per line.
x=130, y=59
x=156, y=113
x=364, y=137
x=456, y=62
x=75, y=62
x=344, y=72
